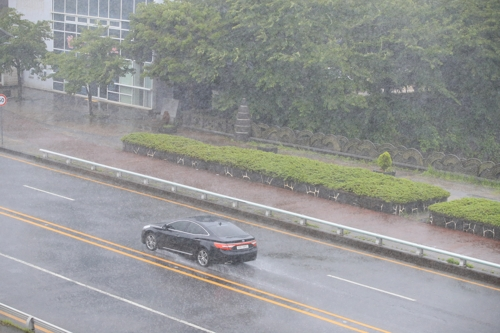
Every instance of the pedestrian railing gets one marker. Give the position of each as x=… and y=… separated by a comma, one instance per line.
x=31, y=323
x=243, y=205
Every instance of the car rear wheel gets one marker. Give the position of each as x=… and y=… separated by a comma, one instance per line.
x=203, y=257
x=151, y=242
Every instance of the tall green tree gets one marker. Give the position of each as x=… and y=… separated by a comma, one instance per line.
x=25, y=48
x=94, y=60
x=419, y=73
x=176, y=42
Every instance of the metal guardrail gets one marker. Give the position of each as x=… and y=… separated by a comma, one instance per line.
x=31, y=323
x=341, y=230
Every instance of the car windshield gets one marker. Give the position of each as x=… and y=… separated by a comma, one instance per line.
x=226, y=230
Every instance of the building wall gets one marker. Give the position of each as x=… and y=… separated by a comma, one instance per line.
x=9, y=79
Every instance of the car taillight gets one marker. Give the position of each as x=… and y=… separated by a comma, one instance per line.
x=229, y=247
x=224, y=247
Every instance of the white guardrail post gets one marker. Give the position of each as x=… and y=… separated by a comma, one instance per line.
x=268, y=211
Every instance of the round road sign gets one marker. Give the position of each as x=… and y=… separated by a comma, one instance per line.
x=3, y=100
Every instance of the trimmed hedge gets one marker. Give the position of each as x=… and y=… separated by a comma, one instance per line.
x=470, y=209
x=358, y=181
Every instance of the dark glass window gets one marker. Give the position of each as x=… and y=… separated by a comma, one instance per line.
x=59, y=6
x=103, y=8
x=112, y=87
x=196, y=229
x=113, y=96
x=114, y=24
x=58, y=40
x=179, y=225
x=58, y=26
x=71, y=27
x=114, y=9
x=83, y=7
x=127, y=8
x=82, y=19
x=70, y=18
x=125, y=25
x=71, y=6
x=59, y=17
x=94, y=7
x=114, y=33
x=93, y=89
x=103, y=92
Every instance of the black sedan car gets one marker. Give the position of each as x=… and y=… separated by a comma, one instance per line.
x=207, y=239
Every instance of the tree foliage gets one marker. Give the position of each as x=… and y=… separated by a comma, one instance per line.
x=94, y=60
x=419, y=73
x=25, y=48
x=177, y=42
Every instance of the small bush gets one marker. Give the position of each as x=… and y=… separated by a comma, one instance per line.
x=384, y=161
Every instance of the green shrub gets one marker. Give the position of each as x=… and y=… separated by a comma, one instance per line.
x=470, y=209
x=359, y=181
x=384, y=161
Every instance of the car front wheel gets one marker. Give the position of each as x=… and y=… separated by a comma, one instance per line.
x=151, y=242
x=203, y=257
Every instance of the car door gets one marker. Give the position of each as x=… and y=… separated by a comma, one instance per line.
x=173, y=236
x=193, y=233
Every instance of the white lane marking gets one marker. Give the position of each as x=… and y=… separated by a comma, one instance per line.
x=108, y=294
x=382, y=291
x=57, y=195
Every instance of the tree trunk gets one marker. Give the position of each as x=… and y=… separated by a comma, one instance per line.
x=19, y=84
x=89, y=98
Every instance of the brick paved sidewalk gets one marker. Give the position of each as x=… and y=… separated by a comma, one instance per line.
x=61, y=124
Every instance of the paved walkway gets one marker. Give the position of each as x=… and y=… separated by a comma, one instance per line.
x=61, y=124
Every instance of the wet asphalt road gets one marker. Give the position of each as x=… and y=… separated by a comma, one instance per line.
x=97, y=276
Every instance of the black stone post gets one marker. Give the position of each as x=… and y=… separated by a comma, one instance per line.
x=243, y=124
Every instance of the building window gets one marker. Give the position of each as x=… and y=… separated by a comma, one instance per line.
x=82, y=7
x=83, y=14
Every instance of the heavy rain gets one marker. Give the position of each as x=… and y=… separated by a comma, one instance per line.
x=353, y=147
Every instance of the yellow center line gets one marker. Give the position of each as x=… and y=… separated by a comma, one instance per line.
x=198, y=277
x=180, y=265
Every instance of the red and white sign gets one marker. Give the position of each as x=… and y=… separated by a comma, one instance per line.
x=3, y=100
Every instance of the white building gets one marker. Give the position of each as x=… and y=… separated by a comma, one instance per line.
x=69, y=18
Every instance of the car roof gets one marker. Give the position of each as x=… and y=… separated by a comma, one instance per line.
x=218, y=226
x=205, y=219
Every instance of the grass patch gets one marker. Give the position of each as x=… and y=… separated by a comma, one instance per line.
x=10, y=324
x=461, y=178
